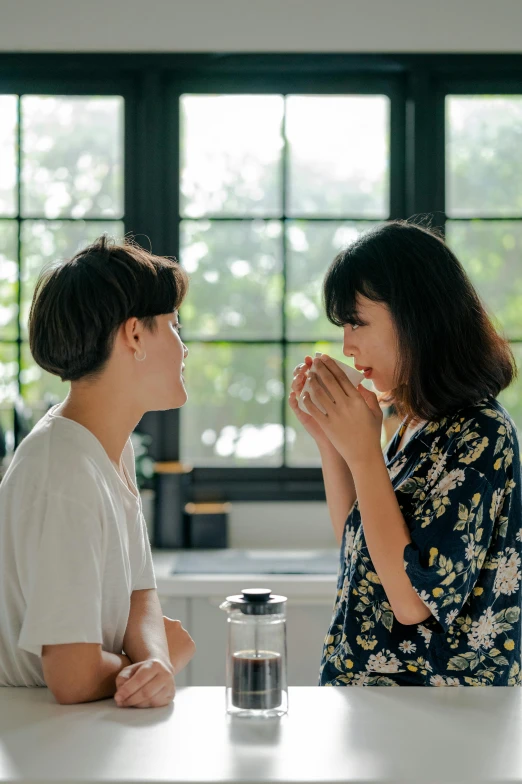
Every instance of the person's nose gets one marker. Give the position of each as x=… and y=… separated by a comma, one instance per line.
x=185, y=351
x=349, y=347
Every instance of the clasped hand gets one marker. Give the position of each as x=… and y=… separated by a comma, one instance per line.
x=353, y=418
x=150, y=683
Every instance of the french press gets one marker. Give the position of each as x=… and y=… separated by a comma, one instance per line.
x=256, y=683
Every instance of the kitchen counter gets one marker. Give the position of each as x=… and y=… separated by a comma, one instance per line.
x=294, y=586
x=433, y=735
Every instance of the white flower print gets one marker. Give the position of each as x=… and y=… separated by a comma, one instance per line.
x=397, y=466
x=508, y=574
x=484, y=631
x=497, y=500
x=451, y=481
x=384, y=661
x=439, y=680
x=470, y=548
x=431, y=605
x=437, y=468
x=457, y=490
x=450, y=617
x=361, y=679
x=345, y=590
x=426, y=634
x=350, y=538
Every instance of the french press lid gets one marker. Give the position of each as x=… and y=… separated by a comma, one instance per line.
x=257, y=601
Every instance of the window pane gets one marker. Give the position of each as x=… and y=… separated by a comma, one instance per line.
x=72, y=156
x=8, y=372
x=45, y=241
x=511, y=398
x=311, y=247
x=236, y=279
x=233, y=417
x=483, y=160
x=8, y=280
x=39, y=388
x=8, y=198
x=8, y=390
x=338, y=155
x=231, y=155
x=491, y=253
x=301, y=448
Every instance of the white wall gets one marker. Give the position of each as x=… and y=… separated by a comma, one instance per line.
x=284, y=526
x=261, y=25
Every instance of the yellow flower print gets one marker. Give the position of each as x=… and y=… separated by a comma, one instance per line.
x=476, y=452
x=368, y=643
x=509, y=645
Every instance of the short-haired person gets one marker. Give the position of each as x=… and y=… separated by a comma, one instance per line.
x=429, y=588
x=79, y=610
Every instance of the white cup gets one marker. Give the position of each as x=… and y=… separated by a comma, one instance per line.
x=352, y=374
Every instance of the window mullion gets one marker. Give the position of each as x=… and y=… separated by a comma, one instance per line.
x=19, y=237
x=284, y=200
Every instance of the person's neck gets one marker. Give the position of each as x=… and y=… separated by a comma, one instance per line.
x=105, y=412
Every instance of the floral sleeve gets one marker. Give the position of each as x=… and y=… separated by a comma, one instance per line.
x=451, y=533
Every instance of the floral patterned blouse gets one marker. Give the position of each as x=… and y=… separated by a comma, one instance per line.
x=458, y=484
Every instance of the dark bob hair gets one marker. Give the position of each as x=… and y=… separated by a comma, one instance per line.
x=449, y=353
x=78, y=305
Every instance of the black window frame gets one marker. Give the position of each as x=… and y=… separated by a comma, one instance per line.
x=151, y=84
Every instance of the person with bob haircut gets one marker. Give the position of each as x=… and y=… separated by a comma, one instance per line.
x=429, y=585
x=79, y=610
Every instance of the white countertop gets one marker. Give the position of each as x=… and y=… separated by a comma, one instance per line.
x=435, y=735
x=193, y=585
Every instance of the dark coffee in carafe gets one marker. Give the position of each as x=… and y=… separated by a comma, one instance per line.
x=256, y=680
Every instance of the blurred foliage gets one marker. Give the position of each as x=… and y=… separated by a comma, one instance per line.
x=236, y=286
x=8, y=280
x=144, y=463
x=72, y=156
x=483, y=160
x=491, y=252
x=44, y=242
x=8, y=196
x=232, y=167
x=338, y=163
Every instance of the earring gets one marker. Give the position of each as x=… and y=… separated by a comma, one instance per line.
x=140, y=359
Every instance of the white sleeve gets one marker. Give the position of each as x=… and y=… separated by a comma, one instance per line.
x=65, y=563
x=146, y=578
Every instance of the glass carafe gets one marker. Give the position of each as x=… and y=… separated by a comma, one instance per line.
x=256, y=683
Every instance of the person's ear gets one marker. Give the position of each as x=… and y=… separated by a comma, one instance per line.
x=133, y=332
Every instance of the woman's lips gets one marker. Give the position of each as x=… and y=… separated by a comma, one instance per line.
x=366, y=370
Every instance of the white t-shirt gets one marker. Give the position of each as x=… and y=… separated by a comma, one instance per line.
x=73, y=547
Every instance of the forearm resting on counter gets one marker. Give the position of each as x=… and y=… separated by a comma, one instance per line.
x=81, y=672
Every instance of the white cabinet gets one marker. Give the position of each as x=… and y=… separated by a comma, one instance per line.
x=308, y=620
x=209, y=630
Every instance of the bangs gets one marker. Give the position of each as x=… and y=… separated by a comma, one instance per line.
x=161, y=289
x=342, y=284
